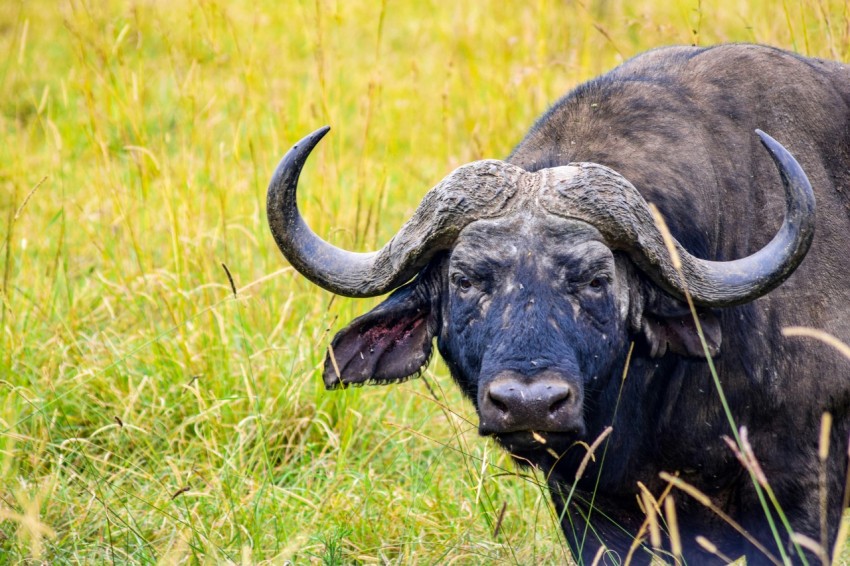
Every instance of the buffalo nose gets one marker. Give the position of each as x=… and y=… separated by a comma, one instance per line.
x=510, y=395
x=513, y=403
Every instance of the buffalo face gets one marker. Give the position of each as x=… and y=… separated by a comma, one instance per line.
x=533, y=317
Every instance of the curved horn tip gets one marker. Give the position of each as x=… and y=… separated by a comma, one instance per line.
x=770, y=143
x=306, y=144
x=789, y=169
x=291, y=163
x=319, y=134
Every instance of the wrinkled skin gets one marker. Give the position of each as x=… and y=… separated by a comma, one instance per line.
x=530, y=303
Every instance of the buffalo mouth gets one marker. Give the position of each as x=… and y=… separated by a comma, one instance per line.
x=532, y=445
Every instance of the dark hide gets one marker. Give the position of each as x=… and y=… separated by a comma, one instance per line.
x=531, y=295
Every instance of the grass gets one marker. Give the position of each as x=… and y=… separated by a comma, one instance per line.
x=148, y=415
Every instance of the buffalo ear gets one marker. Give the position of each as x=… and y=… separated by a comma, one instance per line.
x=678, y=334
x=667, y=325
x=390, y=343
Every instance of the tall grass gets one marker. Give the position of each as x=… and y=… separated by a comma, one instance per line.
x=149, y=414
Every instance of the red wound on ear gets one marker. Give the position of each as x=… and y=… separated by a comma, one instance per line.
x=389, y=344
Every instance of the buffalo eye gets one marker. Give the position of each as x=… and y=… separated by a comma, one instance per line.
x=598, y=283
x=461, y=282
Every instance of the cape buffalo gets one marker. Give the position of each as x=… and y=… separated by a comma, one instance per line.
x=560, y=311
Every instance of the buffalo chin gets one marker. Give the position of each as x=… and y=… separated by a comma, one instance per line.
x=539, y=449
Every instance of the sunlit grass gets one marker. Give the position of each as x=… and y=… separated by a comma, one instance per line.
x=149, y=415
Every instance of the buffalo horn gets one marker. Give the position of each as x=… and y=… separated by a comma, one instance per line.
x=477, y=190
x=605, y=199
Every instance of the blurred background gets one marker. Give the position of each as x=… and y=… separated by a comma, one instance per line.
x=149, y=414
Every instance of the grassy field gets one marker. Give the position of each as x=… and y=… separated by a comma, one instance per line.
x=148, y=415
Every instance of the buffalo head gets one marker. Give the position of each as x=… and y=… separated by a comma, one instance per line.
x=534, y=285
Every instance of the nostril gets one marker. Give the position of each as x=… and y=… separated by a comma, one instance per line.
x=559, y=403
x=559, y=398
x=500, y=397
x=498, y=404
